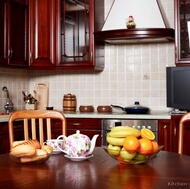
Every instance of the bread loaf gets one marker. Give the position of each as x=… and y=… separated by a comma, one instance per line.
x=15, y=143
x=39, y=155
x=35, y=143
x=23, y=150
x=30, y=151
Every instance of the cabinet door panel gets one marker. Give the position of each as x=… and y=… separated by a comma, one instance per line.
x=14, y=33
x=87, y=126
x=18, y=42
x=182, y=34
x=2, y=33
x=42, y=40
x=76, y=22
x=164, y=134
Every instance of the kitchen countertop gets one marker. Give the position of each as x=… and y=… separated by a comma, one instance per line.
x=113, y=115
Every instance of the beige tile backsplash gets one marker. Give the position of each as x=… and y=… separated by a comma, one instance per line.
x=132, y=73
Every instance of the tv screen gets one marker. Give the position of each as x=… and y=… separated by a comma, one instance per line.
x=178, y=87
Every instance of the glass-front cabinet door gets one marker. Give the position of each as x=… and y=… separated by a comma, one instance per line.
x=74, y=30
x=75, y=33
x=182, y=26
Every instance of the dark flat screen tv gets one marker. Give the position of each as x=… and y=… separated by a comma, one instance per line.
x=178, y=88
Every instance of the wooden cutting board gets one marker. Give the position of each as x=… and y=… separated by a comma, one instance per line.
x=42, y=95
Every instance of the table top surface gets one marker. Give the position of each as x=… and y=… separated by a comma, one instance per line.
x=166, y=170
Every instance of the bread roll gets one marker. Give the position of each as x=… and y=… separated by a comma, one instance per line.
x=47, y=148
x=23, y=150
x=40, y=155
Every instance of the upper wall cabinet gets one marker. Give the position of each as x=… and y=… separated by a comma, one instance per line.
x=62, y=34
x=182, y=37
x=76, y=22
x=13, y=33
x=42, y=34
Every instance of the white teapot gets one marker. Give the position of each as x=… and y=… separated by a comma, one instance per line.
x=78, y=145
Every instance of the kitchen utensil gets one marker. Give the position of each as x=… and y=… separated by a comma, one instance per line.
x=42, y=95
x=136, y=109
x=86, y=108
x=78, y=145
x=104, y=109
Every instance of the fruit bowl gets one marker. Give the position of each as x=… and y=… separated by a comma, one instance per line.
x=131, y=158
x=132, y=146
x=30, y=160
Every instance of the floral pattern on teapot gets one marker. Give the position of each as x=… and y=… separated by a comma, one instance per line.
x=78, y=145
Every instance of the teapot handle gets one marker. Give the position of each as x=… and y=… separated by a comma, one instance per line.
x=65, y=138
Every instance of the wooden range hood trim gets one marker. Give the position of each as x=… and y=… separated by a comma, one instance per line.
x=138, y=35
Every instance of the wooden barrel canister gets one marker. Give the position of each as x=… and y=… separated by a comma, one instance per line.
x=69, y=103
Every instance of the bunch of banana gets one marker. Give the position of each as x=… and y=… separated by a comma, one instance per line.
x=118, y=134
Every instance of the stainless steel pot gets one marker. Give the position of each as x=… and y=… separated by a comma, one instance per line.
x=136, y=109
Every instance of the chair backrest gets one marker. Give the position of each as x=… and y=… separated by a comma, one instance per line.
x=185, y=118
x=36, y=120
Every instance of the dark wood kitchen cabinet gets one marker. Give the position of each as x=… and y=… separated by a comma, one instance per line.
x=168, y=134
x=182, y=32
x=87, y=126
x=4, y=135
x=76, y=23
x=42, y=34
x=62, y=34
x=14, y=33
x=175, y=119
x=164, y=134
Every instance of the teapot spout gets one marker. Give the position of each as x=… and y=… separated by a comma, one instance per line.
x=93, y=143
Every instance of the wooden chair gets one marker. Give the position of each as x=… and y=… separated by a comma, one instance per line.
x=36, y=120
x=185, y=118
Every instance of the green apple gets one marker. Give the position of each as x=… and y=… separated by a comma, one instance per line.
x=127, y=156
x=140, y=157
x=139, y=162
x=114, y=150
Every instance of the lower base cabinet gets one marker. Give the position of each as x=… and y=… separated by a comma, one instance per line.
x=4, y=135
x=164, y=134
x=168, y=132
x=87, y=126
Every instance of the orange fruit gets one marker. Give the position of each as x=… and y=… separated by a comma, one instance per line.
x=145, y=146
x=147, y=133
x=131, y=143
x=154, y=146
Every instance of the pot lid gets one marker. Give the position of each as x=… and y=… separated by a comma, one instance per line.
x=137, y=106
x=150, y=27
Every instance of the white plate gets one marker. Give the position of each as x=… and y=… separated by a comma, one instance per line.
x=78, y=158
x=56, y=152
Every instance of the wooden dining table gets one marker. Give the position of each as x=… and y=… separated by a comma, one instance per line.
x=166, y=170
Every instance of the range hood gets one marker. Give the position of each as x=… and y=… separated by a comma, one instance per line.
x=151, y=23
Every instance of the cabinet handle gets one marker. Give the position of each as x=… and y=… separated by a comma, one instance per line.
x=76, y=124
x=174, y=131
x=31, y=57
x=17, y=126
x=10, y=52
x=165, y=126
